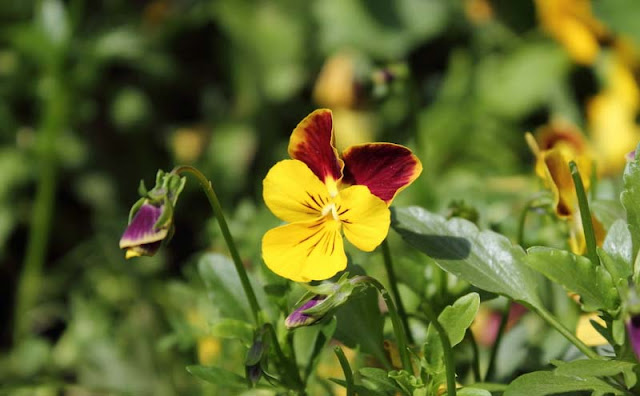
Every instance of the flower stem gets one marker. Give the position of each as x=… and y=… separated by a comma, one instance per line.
x=54, y=121
x=393, y=285
x=476, y=356
x=217, y=211
x=496, y=344
x=549, y=318
x=346, y=368
x=447, y=350
x=585, y=214
x=395, y=321
x=290, y=367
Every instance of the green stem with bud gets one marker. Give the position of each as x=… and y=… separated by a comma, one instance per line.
x=217, y=211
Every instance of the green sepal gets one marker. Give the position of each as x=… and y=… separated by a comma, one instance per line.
x=142, y=189
x=135, y=208
x=406, y=381
x=166, y=217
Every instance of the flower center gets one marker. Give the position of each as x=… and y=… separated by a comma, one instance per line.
x=330, y=208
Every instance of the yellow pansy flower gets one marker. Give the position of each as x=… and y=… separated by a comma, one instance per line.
x=322, y=196
x=612, y=117
x=572, y=24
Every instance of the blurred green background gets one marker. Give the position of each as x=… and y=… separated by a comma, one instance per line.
x=96, y=95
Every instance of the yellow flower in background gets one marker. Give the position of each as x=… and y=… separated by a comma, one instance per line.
x=612, y=117
x=554, y=146
x=587, y=333
x=572, y=24
x=336, y=85
x=322, y=196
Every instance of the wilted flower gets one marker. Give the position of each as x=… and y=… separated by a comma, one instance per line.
x=151, y=217
x=322, y=195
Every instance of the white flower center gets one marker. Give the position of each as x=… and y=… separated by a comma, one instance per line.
x=330, y=208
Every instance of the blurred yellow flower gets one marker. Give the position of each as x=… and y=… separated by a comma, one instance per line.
x=612, y=117
x=336, y=84
x=587, y=333
x=572, y=24
x=554, y=146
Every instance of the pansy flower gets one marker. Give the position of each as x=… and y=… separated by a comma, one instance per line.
x=322, y=195
x=554, y=146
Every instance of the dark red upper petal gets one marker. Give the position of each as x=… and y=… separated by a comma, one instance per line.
x=312, y=142
x=385, y=168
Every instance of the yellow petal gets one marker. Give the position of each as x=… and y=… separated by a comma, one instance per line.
x=305, y=251
x=554, y=165
x=293, y=192
x=587, y=333
x=365, y=217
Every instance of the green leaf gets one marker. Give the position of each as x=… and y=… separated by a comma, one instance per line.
x=468, y=391
x=577, y=274
x=310, y=341
x=617, y=252
x=515, y=83
x=630, y=198
x=378, y=380
x=542, y=383
x=233, y=329
x=360, y=324
x=224, y=287
x=607, y=211
x=485, y=259
x=597, y=368
x=218, y=376
x=457, y=318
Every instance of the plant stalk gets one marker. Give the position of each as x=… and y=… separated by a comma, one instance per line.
x=504, y=319
x=393, y=285
x=549, y=318
x=447, y=350
x=55, y=119
x=585, y=215
x=217, y=211
x=395, y=321
x=346, y=368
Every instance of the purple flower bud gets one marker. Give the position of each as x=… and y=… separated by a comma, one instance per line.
x=633, y=327
x=253, y=373
x=298, y=318
x=142, y=237
x=630, y=156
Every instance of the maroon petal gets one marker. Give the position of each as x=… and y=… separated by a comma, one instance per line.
x=312, y=142
x=385, y=168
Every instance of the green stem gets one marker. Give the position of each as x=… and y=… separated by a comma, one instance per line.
x=54, y=120
x=217, y=211
x=549, y=318
x=346, y=368
x=290, y=367
x=395, y=321
x=496, y=344
x=585, y=214
x=447, y=350
x=393, y=285
x=476, y=355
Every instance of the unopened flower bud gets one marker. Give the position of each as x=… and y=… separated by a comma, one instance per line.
x=151, y=217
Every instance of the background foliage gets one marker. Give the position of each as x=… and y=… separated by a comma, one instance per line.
x=97, y=95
